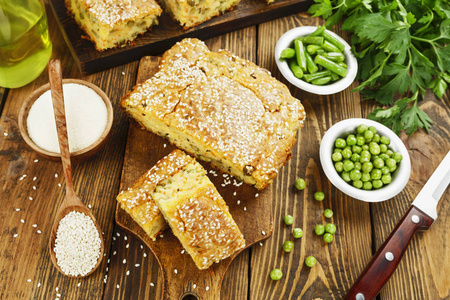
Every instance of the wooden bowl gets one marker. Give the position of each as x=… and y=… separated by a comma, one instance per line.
x=76, y=156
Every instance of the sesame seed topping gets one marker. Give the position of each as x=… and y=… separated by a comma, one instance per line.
x=175, y=271
x=207, y=288
x=29, y=280
x=124, y=261
x=137, y=265
x=152, y=284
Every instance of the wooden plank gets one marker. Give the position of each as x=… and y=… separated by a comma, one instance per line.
x=168, y=32
x=423, y=272
x=340, y=262
x=143, y=150
x=96, y=181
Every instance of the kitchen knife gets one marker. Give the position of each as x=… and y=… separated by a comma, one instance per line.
x=420, y=215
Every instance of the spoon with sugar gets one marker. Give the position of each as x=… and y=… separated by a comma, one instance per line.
x=76, y=244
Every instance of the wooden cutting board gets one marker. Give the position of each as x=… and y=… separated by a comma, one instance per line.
x=168, y=32
x=250, y=208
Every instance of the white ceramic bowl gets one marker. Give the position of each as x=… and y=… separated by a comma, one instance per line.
x=286, y=40
x=399, y=177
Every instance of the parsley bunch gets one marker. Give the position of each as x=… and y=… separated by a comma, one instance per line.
x=402, y=48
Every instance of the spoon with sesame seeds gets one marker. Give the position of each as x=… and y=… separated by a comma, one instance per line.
x=76, y=245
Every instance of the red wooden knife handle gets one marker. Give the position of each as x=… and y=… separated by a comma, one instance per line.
x=385, y=261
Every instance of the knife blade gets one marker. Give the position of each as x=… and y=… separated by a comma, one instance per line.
x=421, y=215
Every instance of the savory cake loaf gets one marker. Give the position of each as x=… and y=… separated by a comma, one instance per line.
x=190, y=13
x=112, y=23
x=221, y=108
x=196, y=213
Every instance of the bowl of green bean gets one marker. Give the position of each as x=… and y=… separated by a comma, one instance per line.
x=316, y=60
x=365, y=160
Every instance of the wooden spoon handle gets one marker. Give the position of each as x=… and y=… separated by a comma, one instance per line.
x=385, y=261
x=54, y=71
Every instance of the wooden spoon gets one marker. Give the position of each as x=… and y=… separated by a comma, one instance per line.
x=71, y=201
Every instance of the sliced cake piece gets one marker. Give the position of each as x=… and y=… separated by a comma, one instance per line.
x=190, y=13
x=197, y=214
x=137, y=200
x=221, y=108
x=112, y=23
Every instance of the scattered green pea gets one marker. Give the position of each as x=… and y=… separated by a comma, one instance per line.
x=330, y=228
x=288, y=246
x=310, y=261
x=276, y=274
x=297, y=233
x=358, y=184
x=327, y=237
x=300, y=184
x=288, y=219
x=336, y=156
x=340, y=143
x=319, y=196
x=319, y=229
x=328, y=213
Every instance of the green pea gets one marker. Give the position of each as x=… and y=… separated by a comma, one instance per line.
x=385, y=170
x=297, y=233
x=340, y=143
x=383, y=156
x=368, y=135
x=377, y=183
x=374, y=148
x=397, y=157
x=288, y=219
x=346, y=176
x=355, y=175
x=390, y=162
x=386, y=178
x=337, y=150
x=365, y=177
x=373, y=129
x=339, y=166
x=383, y=148
x=362, y=128
x=327, y=237
x=355, y=157
x=378, y=163
x=358, y=184
x=287, y=53
x=365, y=147
x=319, y=229
x=375, y=174
x=360, y=140
x=376, y=138
x=310, y=261
x=330, y=228
x=288, y=246
x=300, y=184
x=389, y=152
x=367, y=167
x=385, y=140
x=348, y=165
x=365, y=156
x=276, y=274
x=347, y=152
x=358, y=166
x=351, y=140
x=319, y=196
x=367, y=185
x=392, y=169
x=328, y=213
x=374, y=157
x=356, y=149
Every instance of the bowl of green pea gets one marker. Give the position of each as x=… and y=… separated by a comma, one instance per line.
x=365, y=160
x=316, y=60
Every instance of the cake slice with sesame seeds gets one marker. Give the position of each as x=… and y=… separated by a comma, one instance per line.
x=197, y=214
x=220, y=108
x=112, y=23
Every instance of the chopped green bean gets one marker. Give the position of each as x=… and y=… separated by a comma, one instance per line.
x=310, y=64
x=328, y=37
x=311, y=40
x=329, y=47
x=330, y=65
x=334, y=56
x=311, y=77
x=313, y=49
x=319, y=31
x=287, y=53
x=296, y=70
x=321, y=80
x=300, y=54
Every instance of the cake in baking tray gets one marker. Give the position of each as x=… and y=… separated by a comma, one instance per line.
x=190, y=13
x=221, y=108
x=178, y=187
x=112, y=23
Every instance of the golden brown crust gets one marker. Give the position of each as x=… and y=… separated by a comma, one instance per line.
x=220, y=108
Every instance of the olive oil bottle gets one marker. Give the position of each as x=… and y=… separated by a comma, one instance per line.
x=25, y=45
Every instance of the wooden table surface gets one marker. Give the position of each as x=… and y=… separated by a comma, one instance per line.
x=129, y=271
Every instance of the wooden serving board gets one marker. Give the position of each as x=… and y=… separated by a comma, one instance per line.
x=251, y=209
x=167, y=33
